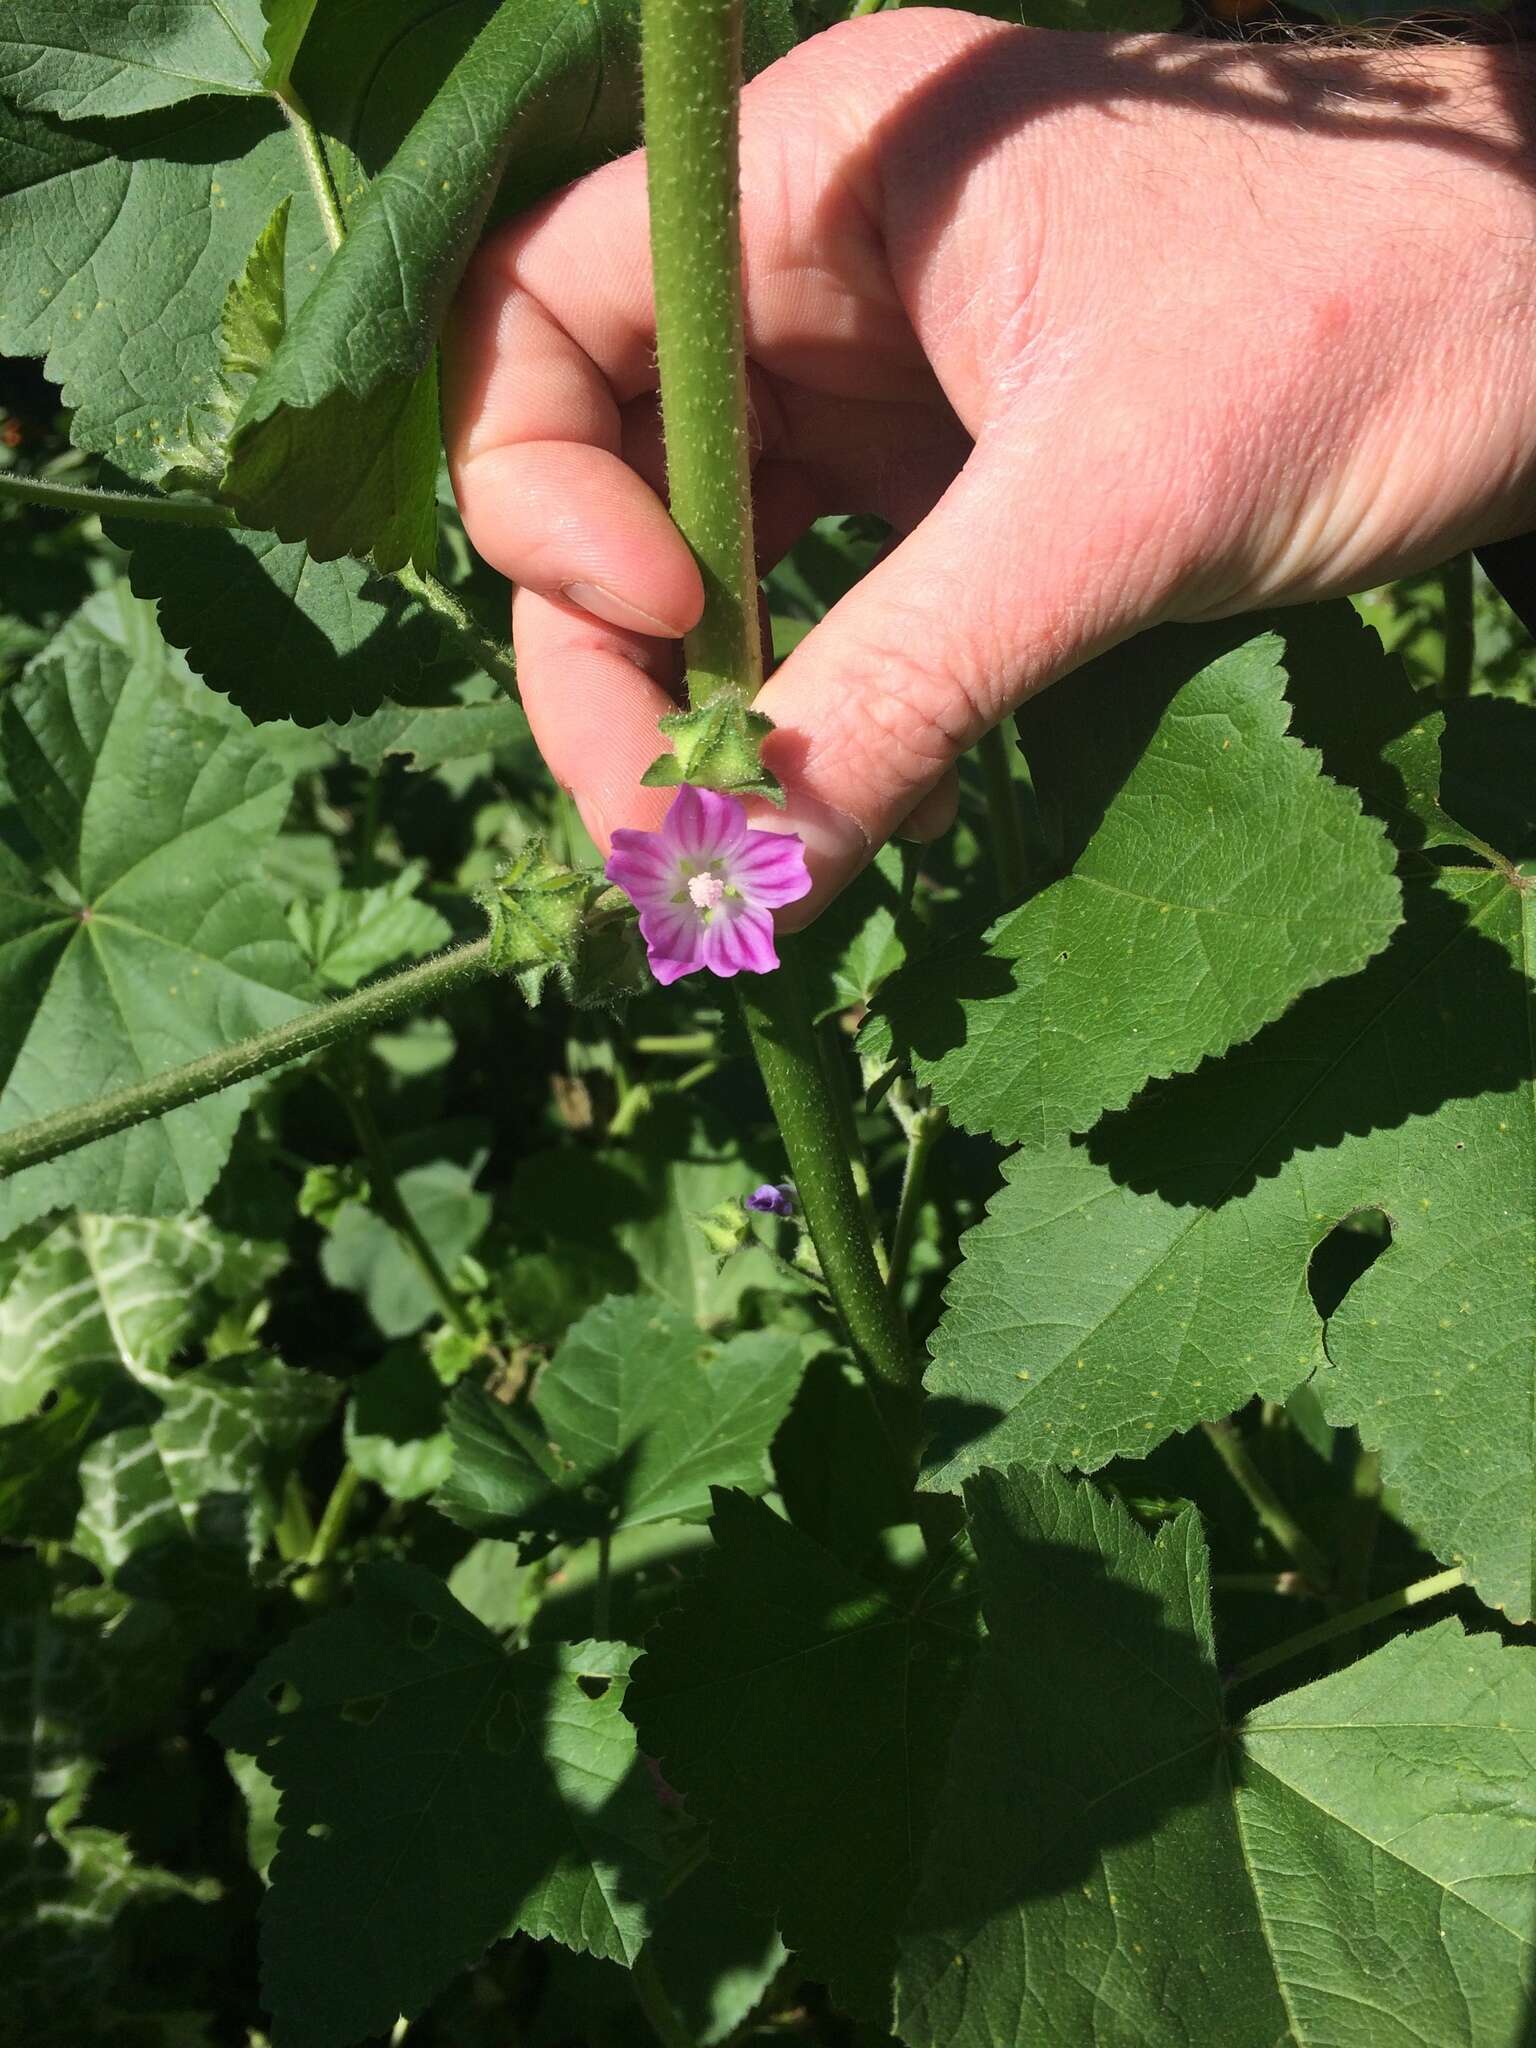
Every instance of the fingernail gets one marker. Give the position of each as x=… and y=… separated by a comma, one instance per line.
x=615, y=611
x=836, y=845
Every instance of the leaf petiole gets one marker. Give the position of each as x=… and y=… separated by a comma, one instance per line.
x=1346, y=1624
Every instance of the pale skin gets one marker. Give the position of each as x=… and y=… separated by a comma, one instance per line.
x=1111, y=330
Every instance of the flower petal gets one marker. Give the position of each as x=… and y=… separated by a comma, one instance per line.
x=741, y=943
x=674, y=941
x=644, y=867
x=769, y=869
x=703, y=824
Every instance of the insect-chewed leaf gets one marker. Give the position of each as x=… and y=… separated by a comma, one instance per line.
x=635, y=1419
x=1116, y=1858
x=506, y=1793
x=137, y=933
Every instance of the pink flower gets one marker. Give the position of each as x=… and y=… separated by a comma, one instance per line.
x=706, y=886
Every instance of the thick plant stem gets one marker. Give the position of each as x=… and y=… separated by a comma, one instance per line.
x=50, y=1137
x=1010, y=854
x=692, y=75
x=927, y=1127
x=784, y=1040
x=691, y=54
x=1348, y=1624
x=1460, y=634
x=602, y=1596
x=1271, y=1510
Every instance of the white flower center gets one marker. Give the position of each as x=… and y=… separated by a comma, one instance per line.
x=706, y=891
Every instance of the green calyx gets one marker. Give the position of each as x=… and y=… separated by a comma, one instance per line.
x=717, y=745
x=550, y=920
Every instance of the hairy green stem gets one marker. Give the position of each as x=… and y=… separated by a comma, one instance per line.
x=1348, y=1624
x=368, y=1009
x=1273, y=1514
x=652, y=1999
x=1460, y=633
x=691, y=59
x=1010, y=853
x=927, y=1127
x=784, y=1039
x=459, y=626
x=185, y=509
x=316, y=169
x=392, y=1206
x=692, y=77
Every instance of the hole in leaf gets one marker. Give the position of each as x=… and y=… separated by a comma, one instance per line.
x=49, y=1402
x=364, y=1711
x=423, y=1631
x=593, y=1685
x=1350, y=1249
x=319, y=1831
x=283, y=1697
x=504, y=1731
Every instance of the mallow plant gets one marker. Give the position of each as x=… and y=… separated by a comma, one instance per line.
x=575, y=1470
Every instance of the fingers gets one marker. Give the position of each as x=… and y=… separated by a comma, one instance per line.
x=949, y=632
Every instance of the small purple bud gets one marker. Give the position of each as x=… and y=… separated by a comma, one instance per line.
x=772, y=1201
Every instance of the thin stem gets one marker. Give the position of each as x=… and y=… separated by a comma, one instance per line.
x=784, y=1039
x=691, y=63
x=1004, y=815
x=50, y=1137
x=334, y=1517
x=1271, y=1510
x=651, y=1997
x=316, y=169
x=1348, y=1624
x=602, y=1594
x=684, y=1044
x=1460, y=634
x=186, y=509
x=926, y=1129
x=294, y=1531
x=459, y=625
x=1287, y=1585
x=392, y=1206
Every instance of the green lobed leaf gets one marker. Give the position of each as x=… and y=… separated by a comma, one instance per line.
x=394, y=1432
x=1117, y=1860
x=1127, y=1289
x=352, y=933
x=280, y=633
x=118, y=57
x=1226, y=877
x=134, y=931
x=635, y=1419
x=115, y=1291
x=437, y=1794
x=838, y=1691
x=184, y=1498
x=120, y=249
x=364, y=1253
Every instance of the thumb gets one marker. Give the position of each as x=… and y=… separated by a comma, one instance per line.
x=1009, y=582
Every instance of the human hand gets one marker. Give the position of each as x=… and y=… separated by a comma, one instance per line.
x=1109, y=329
